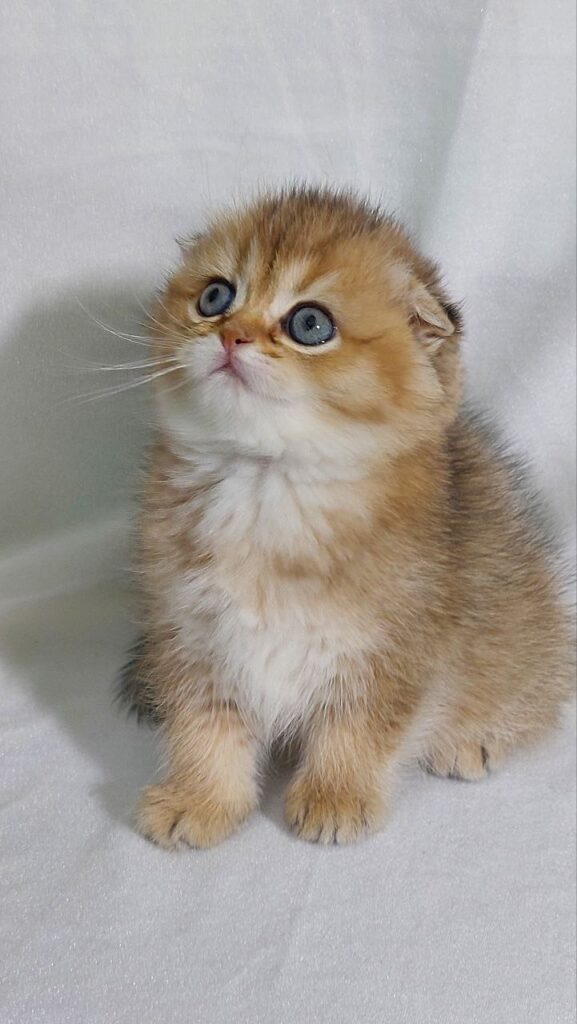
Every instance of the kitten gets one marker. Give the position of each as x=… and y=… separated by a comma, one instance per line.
x=332, y=553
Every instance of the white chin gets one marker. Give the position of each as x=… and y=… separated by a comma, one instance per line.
x=221, y=412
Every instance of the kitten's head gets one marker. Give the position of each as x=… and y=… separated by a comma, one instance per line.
x=306, y=322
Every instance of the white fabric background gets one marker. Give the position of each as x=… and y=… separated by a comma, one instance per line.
x=120, y=124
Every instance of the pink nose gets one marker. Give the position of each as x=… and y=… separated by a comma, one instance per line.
x=233, y=336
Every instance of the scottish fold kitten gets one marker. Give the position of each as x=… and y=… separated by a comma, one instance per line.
x=331, y=551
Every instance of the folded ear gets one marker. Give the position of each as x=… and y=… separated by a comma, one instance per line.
x=431, y=320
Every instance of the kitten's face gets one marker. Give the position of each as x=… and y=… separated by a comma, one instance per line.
x=301, y=316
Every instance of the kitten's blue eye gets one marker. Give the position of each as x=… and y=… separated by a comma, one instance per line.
x=216, y=298
x=309, y=325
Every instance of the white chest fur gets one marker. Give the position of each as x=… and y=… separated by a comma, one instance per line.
x=277, y=644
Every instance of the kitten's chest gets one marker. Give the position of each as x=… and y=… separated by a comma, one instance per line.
x=260, y=606
x=270, y=538
x=275, y=674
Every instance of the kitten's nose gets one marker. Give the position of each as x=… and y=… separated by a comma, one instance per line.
x=232, y=336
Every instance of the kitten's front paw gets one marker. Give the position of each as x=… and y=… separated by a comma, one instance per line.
x=331, y=816
x=172, y=816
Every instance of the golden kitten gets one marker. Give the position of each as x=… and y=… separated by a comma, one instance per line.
x=331, y=551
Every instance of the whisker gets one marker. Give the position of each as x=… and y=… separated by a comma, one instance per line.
x=119, y=367
x=171, y=317
x=151, y=319
x=119, y=388
x=164, y=328
x=180, y=384
x=80, y=364
x=136, y=339
x=149, y=316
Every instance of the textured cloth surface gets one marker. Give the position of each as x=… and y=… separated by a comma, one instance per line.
x=121, y=124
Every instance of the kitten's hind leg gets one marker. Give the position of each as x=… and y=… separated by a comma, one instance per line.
x=464, y=759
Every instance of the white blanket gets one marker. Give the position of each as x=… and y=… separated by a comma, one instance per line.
x=120, y=125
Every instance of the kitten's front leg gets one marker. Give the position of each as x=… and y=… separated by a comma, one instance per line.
x=211, y=785
x=339, y=792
